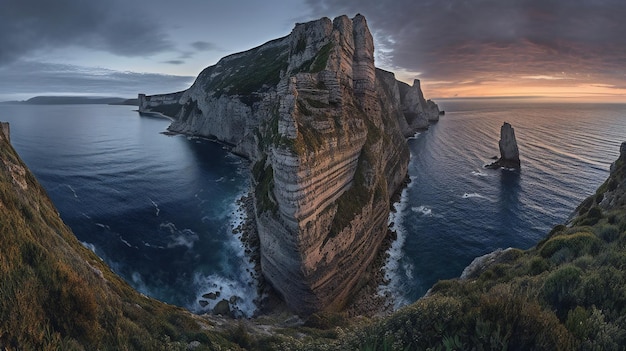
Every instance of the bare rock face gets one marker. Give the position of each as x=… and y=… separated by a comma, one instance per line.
x=325, y=131
x=509, y=153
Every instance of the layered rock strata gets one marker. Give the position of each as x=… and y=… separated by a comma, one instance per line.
x=325, y=131
x=509, y=152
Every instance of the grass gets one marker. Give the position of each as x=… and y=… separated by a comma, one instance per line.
x=249, y=72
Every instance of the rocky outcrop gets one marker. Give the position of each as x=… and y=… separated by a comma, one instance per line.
x=325, y=131
x=509, y=153
x=6, y=131
x=612, y=194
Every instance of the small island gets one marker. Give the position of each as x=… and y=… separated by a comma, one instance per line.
x=509, y=153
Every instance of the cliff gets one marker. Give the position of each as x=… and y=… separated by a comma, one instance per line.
x=325, y=131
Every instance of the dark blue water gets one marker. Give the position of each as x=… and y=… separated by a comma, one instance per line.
x=160, y=210
x=455, y=210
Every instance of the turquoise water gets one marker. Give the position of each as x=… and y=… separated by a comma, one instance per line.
x=160, y=210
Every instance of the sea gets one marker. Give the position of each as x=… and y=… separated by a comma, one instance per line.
x=161, y=210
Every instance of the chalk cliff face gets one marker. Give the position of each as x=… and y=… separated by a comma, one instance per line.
x=325, y=131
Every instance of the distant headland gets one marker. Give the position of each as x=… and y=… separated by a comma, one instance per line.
x=73, y=100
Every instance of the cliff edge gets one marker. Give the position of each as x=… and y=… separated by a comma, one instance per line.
x=325, y=130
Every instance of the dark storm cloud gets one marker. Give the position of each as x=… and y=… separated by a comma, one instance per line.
x=37, y=78
x=203, y=46
x=113, y=26
x=456, y=39
x=174, y=62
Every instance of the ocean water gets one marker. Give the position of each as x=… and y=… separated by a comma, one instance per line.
x=160, y=210
x=455, y=210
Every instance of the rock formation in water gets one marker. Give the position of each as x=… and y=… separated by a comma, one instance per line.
x=509, y=153
x=325, y=130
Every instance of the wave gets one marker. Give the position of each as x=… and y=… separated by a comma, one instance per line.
x=185, y=237
x=473, y=195
x=156, y=207
x=479, y=174
x=423, y=210
x=72, y=189
x=394, y=276
x=239, y=284
x=103, y=226
x=90, y=246
x=414, y=136
x=125, y=242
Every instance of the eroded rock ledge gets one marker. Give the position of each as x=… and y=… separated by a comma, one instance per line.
x=325, y=130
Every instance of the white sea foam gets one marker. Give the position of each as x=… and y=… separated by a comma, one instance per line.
x=185, y=237
x=125, y=242
x=472, y=195
x=239, y=282
x=156, y=207
x=90, y=246
x=480, y=174
x=220, y=180
x=393, y=274
x=415, y=135
x=103, y=226
x=423, y=210
x=72, y=189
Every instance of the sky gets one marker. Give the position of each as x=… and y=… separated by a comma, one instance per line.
x=565, y=49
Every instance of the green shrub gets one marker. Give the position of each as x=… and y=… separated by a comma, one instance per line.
x=558, y=289
x=537, y=265
x=578, y=244
x=608, y=232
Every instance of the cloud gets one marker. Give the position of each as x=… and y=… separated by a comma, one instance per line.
x=114, y=26
x=494, y=39
x=203, y=46
x=21, y=80
x=174, y=62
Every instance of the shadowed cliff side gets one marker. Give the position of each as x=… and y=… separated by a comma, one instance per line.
x=325, y=130
x=56, y=294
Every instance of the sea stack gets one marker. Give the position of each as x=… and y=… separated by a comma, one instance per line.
x=509, y=153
